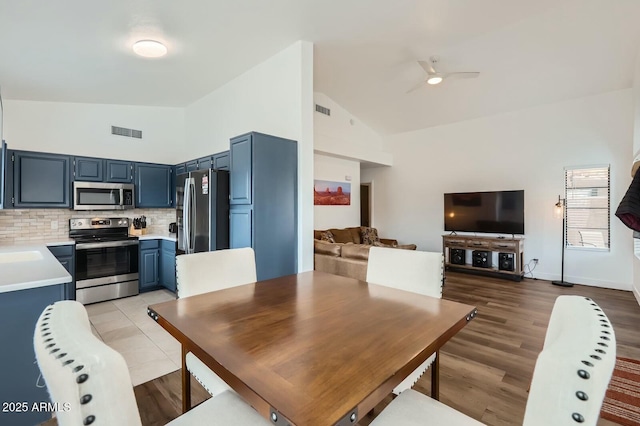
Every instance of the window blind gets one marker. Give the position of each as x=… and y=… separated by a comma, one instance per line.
x=587, y=194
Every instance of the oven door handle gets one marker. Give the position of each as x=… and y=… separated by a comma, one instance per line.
x=85, y=246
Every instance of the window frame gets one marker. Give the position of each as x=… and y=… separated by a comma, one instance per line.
x=567, y=209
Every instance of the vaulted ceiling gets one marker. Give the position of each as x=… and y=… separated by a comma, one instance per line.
x=528, y=53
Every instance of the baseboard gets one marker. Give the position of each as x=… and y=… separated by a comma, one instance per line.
x=586, y=281
x=636, y=293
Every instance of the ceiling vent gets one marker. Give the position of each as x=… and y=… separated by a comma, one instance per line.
x=123, y=131
x=323, y=110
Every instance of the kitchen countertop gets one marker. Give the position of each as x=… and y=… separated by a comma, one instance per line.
x=29, y=266
x=44, y=242
x=160, y=236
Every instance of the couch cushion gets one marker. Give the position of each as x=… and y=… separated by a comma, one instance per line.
x=323, y=247
x=369, y=235
x=356, y=251
x=342, y=235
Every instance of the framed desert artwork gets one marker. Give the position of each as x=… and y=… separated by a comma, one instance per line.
x=329, y=193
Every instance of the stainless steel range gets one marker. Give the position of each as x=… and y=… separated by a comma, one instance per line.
x=106, y=259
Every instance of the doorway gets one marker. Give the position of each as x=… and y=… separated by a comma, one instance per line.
x=365, y=204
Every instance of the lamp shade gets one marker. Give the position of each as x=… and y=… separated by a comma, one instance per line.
x=558, y=209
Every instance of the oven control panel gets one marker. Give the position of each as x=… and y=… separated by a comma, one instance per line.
x=98, y=223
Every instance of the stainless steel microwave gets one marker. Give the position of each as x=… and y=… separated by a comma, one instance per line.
x=102, y=196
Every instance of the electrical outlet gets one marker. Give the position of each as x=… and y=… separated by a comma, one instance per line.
x=54, y=224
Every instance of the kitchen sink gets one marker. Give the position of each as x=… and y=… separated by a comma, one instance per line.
x=20, y=256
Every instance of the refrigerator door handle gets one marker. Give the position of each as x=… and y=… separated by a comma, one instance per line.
x=192, y=210
x=186, y=216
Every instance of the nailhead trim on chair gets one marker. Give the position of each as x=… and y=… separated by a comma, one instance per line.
x=82, y=378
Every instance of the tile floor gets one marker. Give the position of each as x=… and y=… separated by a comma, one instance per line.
x=123, y=324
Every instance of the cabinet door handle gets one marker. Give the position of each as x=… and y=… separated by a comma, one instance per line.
x=503, y=245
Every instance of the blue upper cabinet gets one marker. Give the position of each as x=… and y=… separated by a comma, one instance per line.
x=221, y=161
x=241, y=170
x=181, y=168
x=3, y=171
x=41, y=180
x=118, y=171
x=205, y=163
x=154, y=185
x=191, y=166
x=88, y=169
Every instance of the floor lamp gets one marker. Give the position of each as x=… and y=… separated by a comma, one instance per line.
x=560, y=211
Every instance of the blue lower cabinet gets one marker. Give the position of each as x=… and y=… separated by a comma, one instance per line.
x=168, y=265
x=240, y=226
x=149, y=262
x=22, y=386
x=66, y=256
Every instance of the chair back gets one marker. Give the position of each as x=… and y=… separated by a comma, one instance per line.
x=214, y=270
x=573, y=370
x=416, y=271
x=88, y=380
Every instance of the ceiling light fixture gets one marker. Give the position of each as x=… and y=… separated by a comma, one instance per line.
x=149, y=48
x=434, y=79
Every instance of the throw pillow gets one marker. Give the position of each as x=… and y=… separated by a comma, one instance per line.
x=369, y=236
x=327, y=236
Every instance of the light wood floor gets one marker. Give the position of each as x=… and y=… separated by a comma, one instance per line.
x=486, y=368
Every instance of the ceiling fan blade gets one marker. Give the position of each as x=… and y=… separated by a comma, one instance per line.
x=462, y=75
x=427, y=67
x=416, y=88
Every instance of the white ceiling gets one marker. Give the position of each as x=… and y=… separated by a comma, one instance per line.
x=528, y=52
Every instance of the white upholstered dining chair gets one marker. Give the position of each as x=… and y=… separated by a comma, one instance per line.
x=416, y=271
x=569, y=382
x=210, y=271
x=90, y=382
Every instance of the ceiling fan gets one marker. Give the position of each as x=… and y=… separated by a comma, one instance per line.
x=436, y=77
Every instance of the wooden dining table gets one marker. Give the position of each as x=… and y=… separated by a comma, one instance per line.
x=313, y=348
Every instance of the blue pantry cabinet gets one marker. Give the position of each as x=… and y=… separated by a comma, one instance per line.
x=40, y=179
x=264, y=201
x=154, y=185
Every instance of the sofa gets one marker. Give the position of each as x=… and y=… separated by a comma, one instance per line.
x=345, y=251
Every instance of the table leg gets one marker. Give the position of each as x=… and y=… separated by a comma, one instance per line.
x=435, y=377
x=186, y=383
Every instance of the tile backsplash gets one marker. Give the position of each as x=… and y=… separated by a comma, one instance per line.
x=22, y=226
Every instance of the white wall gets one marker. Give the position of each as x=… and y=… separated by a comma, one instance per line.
x=338, y=170
x=636, y=154
x=343, y=135
x=85, y=129
x=274, y=97
x=527, y=150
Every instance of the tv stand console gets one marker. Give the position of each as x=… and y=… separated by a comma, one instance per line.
x=495, y=256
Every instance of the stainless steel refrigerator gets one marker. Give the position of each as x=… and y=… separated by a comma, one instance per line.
x=202, y=211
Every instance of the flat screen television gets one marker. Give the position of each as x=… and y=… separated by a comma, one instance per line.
x=498, y=212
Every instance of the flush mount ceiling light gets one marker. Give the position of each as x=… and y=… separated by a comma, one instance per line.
x=434, y=79
x=149, y=48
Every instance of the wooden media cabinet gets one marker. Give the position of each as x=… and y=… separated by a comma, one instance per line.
x=493, y=255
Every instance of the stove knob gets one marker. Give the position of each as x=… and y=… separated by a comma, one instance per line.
x=79, y=223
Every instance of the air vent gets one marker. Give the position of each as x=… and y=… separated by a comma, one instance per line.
x=323, y=110
x=123, y=131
